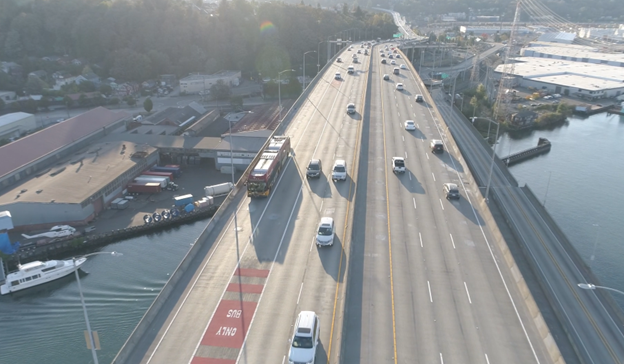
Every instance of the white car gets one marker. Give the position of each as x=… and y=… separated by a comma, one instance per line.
x=386, y=77
x=399, y=87
x=392, y=62
x=403, y=67
x=305, y=338
x=325, y=232
x=339, y=172
x=398, y=165
x=410, y=125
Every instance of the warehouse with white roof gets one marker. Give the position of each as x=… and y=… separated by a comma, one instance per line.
x=16, y=124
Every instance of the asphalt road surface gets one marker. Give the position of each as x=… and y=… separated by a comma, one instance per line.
x=425, y=283
x=241, y=304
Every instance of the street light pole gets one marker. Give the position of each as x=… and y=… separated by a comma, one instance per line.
x=304, y=68
x=84, y=306
x=487, y=190
x=593, y=287
x=318, y=56
x=279, y=95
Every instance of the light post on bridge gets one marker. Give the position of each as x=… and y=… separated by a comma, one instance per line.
x=304, y=68
x=84, y=306
x=318, y=56
x=592, y=287
x=279, y=91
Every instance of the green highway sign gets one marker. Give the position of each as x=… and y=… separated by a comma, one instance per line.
x=398, y=35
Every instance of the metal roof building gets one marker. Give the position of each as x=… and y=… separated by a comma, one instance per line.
x=15, y=124
x=77, y=189
x=34, y=153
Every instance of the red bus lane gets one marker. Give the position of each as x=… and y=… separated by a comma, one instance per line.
x=227, y=330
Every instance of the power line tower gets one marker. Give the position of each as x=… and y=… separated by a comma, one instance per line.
x=501, y=106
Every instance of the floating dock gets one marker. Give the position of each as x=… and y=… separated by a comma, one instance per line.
x=543, y=146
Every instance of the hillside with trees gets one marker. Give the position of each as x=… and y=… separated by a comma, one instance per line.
x=141, y=39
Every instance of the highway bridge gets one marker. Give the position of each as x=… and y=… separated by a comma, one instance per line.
x=411, y=278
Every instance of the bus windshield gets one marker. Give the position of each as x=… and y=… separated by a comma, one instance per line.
x=256, y=186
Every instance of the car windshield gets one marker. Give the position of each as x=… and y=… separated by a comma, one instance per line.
x=399, y=163
x=339, y=169
x=256, y=186
x=302, y=342
x=324, y=230
x=313, y=167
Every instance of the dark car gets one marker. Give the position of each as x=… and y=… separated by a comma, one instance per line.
x=314, y=169
x=451, y=191
x=383, y=61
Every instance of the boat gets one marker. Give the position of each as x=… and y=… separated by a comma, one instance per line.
x=35, y=273
x=58, y=231
x=166, y=215
x=147, y=219
x=156, y=217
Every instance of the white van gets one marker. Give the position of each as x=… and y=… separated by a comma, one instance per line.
x=350, y=70
x=305, y=338
x=325, y=232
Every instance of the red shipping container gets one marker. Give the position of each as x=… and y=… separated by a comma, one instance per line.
x=149, y=187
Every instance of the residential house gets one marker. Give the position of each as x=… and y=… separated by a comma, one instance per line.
x=51, y=58
x=77, y=62
x=40, y=74
x=524, y=118
x=7, y=96
x=12, y=69
x=91, y=77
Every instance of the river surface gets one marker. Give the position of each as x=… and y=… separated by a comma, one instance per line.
x=580, y=181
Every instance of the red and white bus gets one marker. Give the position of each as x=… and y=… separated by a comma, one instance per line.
x=264, y=174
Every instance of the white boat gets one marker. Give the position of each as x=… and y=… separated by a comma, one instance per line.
x=35, y=273
x=58, y=231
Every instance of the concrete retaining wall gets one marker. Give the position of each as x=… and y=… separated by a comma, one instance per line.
x=154, y=309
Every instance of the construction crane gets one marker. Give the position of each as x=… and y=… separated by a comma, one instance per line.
x=501, y=106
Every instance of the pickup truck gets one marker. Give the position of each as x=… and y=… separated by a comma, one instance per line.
x=398, y=165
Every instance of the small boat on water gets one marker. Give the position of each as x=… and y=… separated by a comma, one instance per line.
x=35, y=273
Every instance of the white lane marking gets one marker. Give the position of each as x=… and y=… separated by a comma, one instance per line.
x=266, y=282
x=283, y=359
x=430, y=296
x=487, y=242
x=301, y=289
x=417, y=125
x=312, y=245
x=487, y=360
x=427, y=154
x=420, y=237
x=433, y=175
x=410, y=175
x=468, y=293
x=413, y=199
x=441, y=359
x=402, y=137
x=441, y=204
x=452, y=240
x=398, y=113
x=321, y=208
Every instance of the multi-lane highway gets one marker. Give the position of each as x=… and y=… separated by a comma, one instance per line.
x=425, y=281
x=241, y=304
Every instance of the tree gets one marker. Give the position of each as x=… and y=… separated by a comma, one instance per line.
x=34, y=85
x=43, y=103
x=565, y=109
x=236, y=102
x=106, y=90
x=86, y=86
x=148, y=105
x=83, y=100
x=131, y=101
x=68, y=101
x=220, y=91
x=550, y=119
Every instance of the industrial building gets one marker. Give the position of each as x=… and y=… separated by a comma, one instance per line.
x=34, y=153
x=574, y=53
x=492, y=30
x=16, y=124
x=585, y=80
x=195, y=84
x=76, y=190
